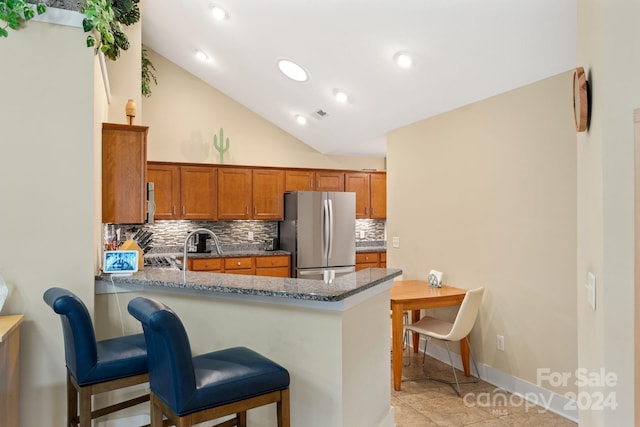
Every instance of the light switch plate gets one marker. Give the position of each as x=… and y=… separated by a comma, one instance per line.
x=396, y=242
x=591, y=290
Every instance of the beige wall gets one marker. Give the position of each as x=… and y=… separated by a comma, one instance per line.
x=47, y=190
x=184, y=114
x=607, y=41
x=487, y=194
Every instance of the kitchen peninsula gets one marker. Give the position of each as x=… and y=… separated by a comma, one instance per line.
x=334, y=338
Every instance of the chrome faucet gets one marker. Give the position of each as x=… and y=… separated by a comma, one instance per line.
x=186, y=243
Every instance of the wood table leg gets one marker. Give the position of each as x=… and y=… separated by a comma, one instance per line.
x=396, y=338
x=464, y=354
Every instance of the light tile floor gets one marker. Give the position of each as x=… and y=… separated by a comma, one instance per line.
x=423, y=403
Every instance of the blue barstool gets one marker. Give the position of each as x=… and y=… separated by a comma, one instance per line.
x=190, y=390
x=95, y=367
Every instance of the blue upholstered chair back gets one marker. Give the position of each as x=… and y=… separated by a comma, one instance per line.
x=80, y=348
x=171, y=372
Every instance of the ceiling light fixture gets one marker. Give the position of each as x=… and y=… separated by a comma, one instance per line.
x=292, y=70
x=341, y=96
x=219, y=13
x=404, y=60
x=302, y=120
x=201, y=55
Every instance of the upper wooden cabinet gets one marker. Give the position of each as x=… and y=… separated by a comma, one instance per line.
x=124, y=157
x=371, y=193
x=184, y=192
x=268, y=194
x=250, y=193
x=314, y=180
x=234, y=193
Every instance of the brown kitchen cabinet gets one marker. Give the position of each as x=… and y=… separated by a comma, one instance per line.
x=214, y=265
x=250, y=193
x=314, y=180
x=268, y=194
x=367, y=260
x=383, y=259
x=239, y=265
x=124, y=158
x=234, y=193
x=371, y=193
x=184, y=191
x=267, y=265
x=274, y=266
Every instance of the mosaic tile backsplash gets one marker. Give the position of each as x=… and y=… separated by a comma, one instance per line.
x=173, y=233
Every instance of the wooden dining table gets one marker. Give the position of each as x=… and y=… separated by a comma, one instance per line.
x=414, y=295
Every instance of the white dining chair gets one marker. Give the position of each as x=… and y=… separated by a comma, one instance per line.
x=445, y=331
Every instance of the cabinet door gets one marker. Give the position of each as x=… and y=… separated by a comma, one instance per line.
x=234, y=193
x=359, y=183
x=329, y=181
x=124, y=163
x=268, y=194
x=274, y=266
x=299, y=180
x=166, y=181
x=378, y=196
x=198, y=192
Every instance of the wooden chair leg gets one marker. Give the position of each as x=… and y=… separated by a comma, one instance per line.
x=156, y=412
x=242, y=419
x=72, y=404
x=284, y=409
x=85, y=406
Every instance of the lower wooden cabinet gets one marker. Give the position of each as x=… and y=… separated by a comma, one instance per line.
x=371, y=260
x=267, y=265
x=275, y=266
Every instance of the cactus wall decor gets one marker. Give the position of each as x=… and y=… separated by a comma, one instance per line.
x=223, y=146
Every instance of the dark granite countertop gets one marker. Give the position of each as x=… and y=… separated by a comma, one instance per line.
x=298, y=289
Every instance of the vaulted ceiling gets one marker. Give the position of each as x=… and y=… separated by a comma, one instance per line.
x=463, y=51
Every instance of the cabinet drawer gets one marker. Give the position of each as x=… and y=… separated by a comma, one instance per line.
x=383, y=257
x=368, y=257
x=272, y=261
x=238, y=263
x=205, y=264
x=273, y=272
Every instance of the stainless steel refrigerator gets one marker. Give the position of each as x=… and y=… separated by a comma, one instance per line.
x=319, y=229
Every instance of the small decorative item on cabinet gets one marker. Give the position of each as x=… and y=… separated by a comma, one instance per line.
x=130, y=111
x=223, y=147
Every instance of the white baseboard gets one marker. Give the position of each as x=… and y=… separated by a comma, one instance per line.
x=529, y=392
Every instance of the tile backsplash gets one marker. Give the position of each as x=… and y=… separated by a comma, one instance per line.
x=172, y=233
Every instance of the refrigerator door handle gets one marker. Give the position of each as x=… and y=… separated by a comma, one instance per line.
x=331, y=230
x=325, y=230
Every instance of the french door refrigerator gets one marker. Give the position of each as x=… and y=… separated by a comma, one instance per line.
x=319, y=229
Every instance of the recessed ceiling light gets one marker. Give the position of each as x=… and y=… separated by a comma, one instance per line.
x=201, y=55
x=219, y=13
x=404, y=60
x=341, y=96
x=292, y=70
x=302, y=120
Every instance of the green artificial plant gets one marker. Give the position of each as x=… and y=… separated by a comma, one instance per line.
x=148, y=74
x=15, y=12
x=104, y=20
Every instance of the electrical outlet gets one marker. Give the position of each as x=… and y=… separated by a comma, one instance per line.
x=396, y=242
x=500, y=342
x=362, y=234
x=250, y=235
